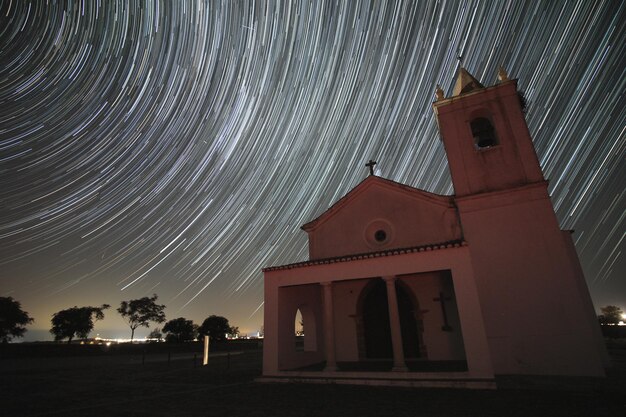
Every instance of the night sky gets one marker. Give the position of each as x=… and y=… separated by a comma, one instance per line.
x=176, y=147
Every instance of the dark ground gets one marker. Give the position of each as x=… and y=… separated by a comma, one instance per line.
x=120, y=385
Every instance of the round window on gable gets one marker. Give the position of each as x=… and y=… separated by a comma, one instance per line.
x=483, y=132
x=380, y=235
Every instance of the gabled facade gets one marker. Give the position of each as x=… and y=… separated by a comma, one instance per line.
x=380, y=214
x=411, y=288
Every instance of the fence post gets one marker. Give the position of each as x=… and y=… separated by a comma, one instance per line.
x=205, y=359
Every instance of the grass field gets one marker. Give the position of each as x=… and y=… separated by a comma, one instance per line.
x=130, y=385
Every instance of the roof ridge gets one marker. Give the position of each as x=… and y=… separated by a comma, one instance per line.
x=371, y=178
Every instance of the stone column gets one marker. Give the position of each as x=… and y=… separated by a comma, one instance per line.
x=394, y=322
x=360, y=335
x=419, y=320
x=329, y=328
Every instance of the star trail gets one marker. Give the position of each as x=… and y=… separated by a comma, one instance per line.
x=175, y=147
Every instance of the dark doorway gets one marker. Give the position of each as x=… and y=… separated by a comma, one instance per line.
x=408, y=323
x=376, y=329
x=376, y=322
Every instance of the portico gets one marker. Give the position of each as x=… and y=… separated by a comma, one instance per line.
x=343, y=286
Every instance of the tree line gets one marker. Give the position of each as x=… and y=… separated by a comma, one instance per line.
x=78, y=322
x=611, y=315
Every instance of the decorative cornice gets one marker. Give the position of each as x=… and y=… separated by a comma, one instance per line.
x=369, y=255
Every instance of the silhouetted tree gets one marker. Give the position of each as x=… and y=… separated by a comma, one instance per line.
x=180, y=330
x=12, y=319
x=155, y=334
x=234, y=331
x=141, y=312
x=75, y=321
x=610, y=315
x=216, y=327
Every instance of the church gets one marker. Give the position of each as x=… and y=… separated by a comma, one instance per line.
x=407, y=287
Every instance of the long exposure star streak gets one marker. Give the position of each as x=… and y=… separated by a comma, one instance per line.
x=175, y=147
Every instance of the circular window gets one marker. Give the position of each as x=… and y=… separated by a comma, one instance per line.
x=378, y=233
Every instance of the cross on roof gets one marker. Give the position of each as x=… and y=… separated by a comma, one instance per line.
x=370, y=165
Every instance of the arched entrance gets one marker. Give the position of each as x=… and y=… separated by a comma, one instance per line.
x=376, y=331
x=305, y=329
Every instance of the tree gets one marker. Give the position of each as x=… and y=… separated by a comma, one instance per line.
x=215, y=327
x=180, y=330
x=141, y=312
x=12, y=319
x=75, y=321
x=155, y=334
x=233, y=331
x=610, y=315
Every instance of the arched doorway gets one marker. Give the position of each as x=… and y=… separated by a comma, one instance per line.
x=305, y=329
x=376, y=331
x=299, y=331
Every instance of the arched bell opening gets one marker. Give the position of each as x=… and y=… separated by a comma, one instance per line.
x=483, y=132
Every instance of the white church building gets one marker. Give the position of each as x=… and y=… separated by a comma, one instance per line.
x=406, y=287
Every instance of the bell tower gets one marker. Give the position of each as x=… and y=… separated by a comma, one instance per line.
x=530, y=282
x=485, y=136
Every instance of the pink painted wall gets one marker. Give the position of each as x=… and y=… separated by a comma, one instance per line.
x=511, y=163
x=348, y=276
x=536, y=320
x=345, y=297
x=307, y=298
x=440, y=345
x=578, y=280
x=408, y=217
x=534, y=299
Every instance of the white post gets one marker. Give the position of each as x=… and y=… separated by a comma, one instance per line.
x=205, y=360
